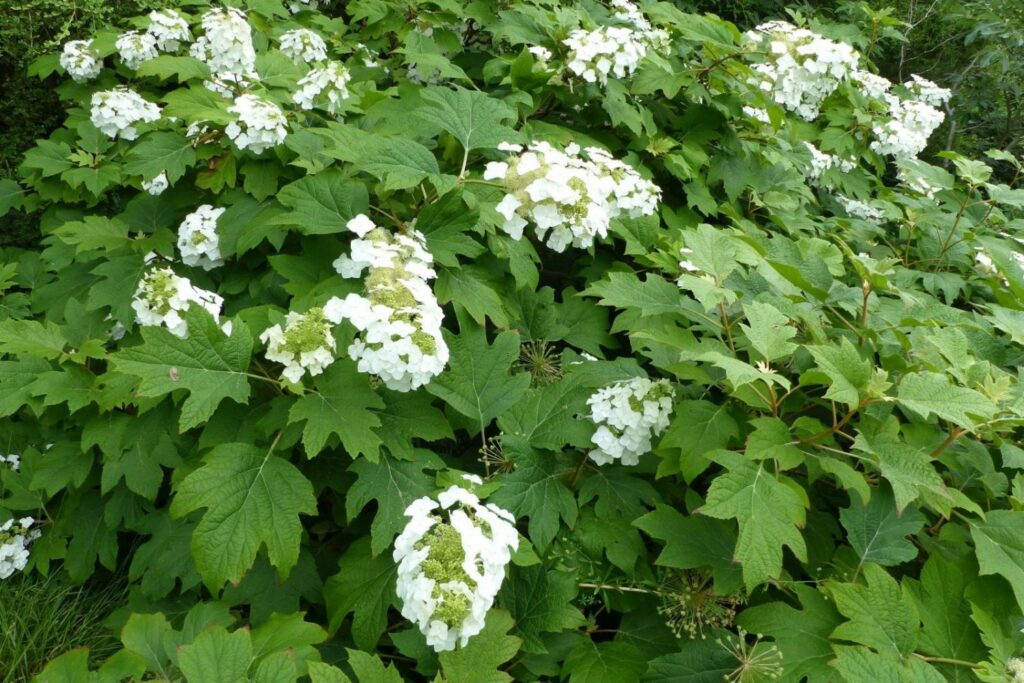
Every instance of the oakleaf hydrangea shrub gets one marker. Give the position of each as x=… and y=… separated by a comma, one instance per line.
x=526, y=341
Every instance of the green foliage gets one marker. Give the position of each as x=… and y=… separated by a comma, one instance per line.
x=839, y=473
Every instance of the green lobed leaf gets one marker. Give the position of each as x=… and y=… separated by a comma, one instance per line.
x=252, y=498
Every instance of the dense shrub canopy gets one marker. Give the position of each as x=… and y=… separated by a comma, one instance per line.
x=476, y=341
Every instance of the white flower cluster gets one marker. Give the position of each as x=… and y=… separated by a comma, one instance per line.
x=628, y=415
x=451, y=560
x=163, y=297
x=304, y=345
x=226, y=45
x=259, y=124
x=157, y=185
x=613, y=50
x=303, y=46
x=822, y=162
x=801, y=68
x=872, y=85
x=911, y=121
x=80, y=61
x=197, y=238
x=135, y=48
x=757, y=114
x=1015, y=669
x=328, y=82
x=928, y=92
x=574, y=197
x=399, y=319
x=15, y=537
x=116, y=112
x=12, y=461
x=918, y=184
x=297, y=6
x=860, y=209
x=169, y=29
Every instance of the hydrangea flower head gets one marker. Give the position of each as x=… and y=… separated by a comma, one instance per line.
x=399, y=319
x=822, y=162
x=163, y=297
x=801, y=68
x=451, y=559
x=259, y=124
x=305, y=344
x=157, y=185
x=197, y=238
x=326, y=85
x=911, y=120
x=628, y=415
x=136, y=48
x=303, y=46
x=116, y=112
x=860, y=209
x=15, y=538
x=569, y=198
x=169, y=29
x=226, y=44
x=80, y=61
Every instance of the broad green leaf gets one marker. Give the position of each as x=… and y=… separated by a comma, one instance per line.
x=927, y=393
x=473, y=118
x=160, y=152
x=370, y=669
x=768, y=331
x=447, y=224
x=769, y=511
x=999, y=546
x=401, y=163
x=698, y=661
x=94, y=232
x=848, y=372
x=880, y=613
x=342, y=404
x=48, y=157
x=548, y=417
x=31, y=338
x=325, y=673
x=393, y=484
x=698, y=427
x=909, y=470
x=802, y=635
x=408, y=416
x=208, y=364
x=945, y=614
x=364, y=587
x=324, y=203
x=477, y=381
x=480, y=659
x=592, y=662
x=16, y=377
x=216, y=656
x=151, y=637
x=11, y=195
x=878, y=531
x=536, y=489
x=651, y=296
x=860, y=664
x=181, y=67
x=252, y=498
x=693, y=542
x=474, y=289
x=540, y=601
